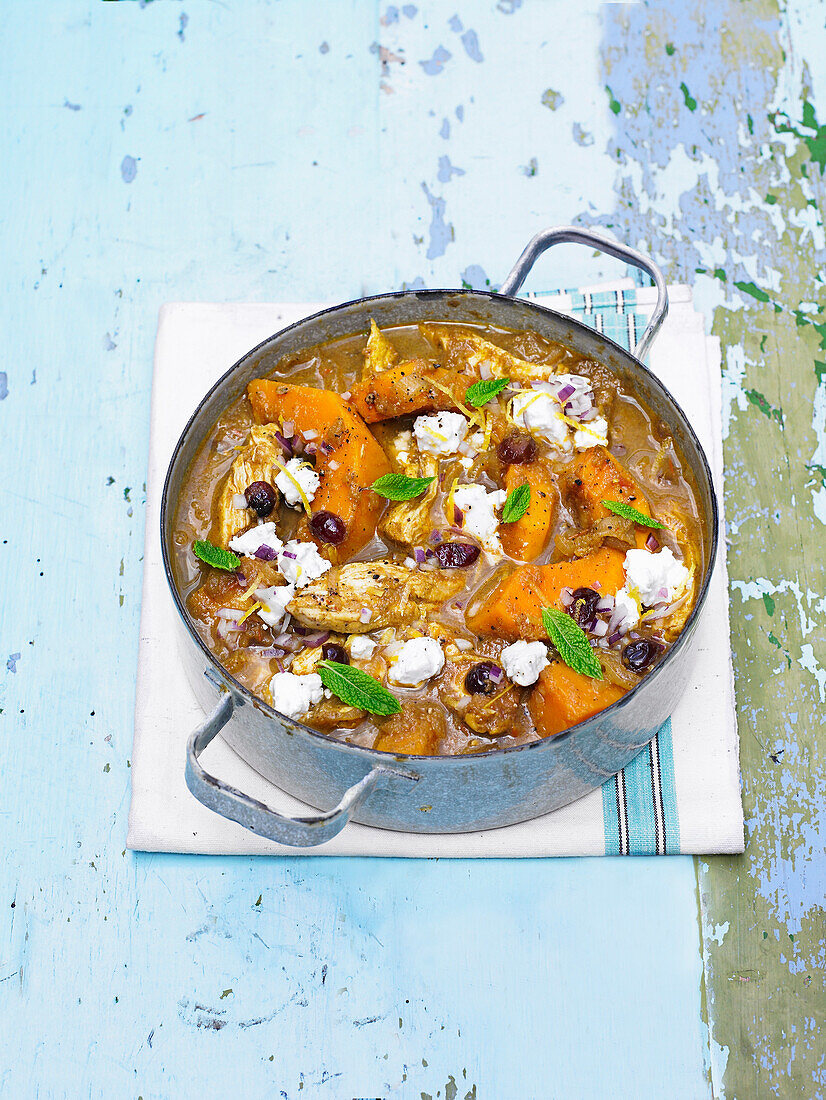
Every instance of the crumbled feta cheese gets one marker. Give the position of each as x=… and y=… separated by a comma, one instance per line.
x=523, y=661
x=306, y=477
x=415, y=661
x=477, y=441
x=294, y=695
x=581, y=384
x=247, y=543
x=361, y=647
x=540, y=412
x=658, y=578
x=440, y=434
x=592, y=433
x=478, y=506
x=627, y=611
x=300, y=562
x=273, y=609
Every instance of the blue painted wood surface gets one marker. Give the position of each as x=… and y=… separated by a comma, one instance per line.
x=275, y=151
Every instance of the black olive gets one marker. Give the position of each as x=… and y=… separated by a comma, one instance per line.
x=584, y=608
x=516, y=449
x=330, y=651
x=478, y=680
x=456, y=555
x=261, y=497
x=638, y=656
x=328, y=527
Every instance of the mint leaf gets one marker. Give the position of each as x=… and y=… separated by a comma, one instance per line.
x=481, y=392
x=571, y=643
x=516, y=504
x=627, y=512
x=357, y=688
x=215, y=556
x=400, y=486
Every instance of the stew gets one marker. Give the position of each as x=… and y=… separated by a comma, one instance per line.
x=439, y=539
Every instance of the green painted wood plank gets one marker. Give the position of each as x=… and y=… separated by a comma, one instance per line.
x=720, y=150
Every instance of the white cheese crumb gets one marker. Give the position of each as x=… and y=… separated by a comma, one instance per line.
x=300, y=562
x=440, y=434
x=658, y=578
x=361, y=647
x=293, y=695
x=247, y=543
x=542, y=415
x=273, y=609
x=592, y=433
x=523, y=661
x=415, y=661
x=306, y=477
x=478, y=506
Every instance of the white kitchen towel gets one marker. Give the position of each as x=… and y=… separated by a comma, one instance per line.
x=680, y=795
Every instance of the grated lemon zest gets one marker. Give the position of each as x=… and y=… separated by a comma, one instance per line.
x=304, y=499
x=450, y=507
x=251, y=611
x=474, y=417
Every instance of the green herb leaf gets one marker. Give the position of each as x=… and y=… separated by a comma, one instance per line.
x=400, y=486
x=480, y=393
x=571, y=643
x=627, y=512
x=516, y=504
x=357, y=688
x=215, y=556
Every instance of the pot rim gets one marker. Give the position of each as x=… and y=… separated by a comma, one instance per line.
x=437, y=294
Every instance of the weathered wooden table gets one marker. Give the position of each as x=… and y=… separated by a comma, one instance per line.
x=291, y=151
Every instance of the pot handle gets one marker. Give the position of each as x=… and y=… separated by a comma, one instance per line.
x=298, y=832
x=573, y=234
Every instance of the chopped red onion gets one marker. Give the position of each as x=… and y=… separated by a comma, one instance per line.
x=346, y=395
x=325, y=447
x=289, y=554
x=420, y=555
x=239, y=576
x=266, y=553
x=651, y=544
x=566, y=597
x=310, y=433
x=230, y=614
x=615, y=637
x=333, y=465
x=496, y=674
x=484, y=369
x=280, y=665
x=366, y=615
x=435, y=536
x=606, y=604
x=600, y=628
x=566, y=392
x=313, y=640
x=662, y=595
x=310, y=449
x=286, y=446
x=239, y=501
x=269, y=651
x=288, y=428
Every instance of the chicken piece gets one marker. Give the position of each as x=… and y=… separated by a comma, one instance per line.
x=409, y=522
x=379, y=354
x=416, y=730
x=492, y=715
x=468, y=351
x=612, y=530
x=254, y=462
x=393, y=594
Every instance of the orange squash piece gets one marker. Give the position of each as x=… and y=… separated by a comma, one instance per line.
x=527, y=537
x=514, y=608
x=562, y=698
x=595, y=476
x=347, y=465
x=416, y=730
x=408, y=388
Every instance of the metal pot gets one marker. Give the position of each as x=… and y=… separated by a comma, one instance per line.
x=431, y=794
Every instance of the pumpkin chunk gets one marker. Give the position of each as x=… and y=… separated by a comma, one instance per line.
x=409, y=388
x=348, y=458
x=514, y=609
x=562, y=698
x=527, y=537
